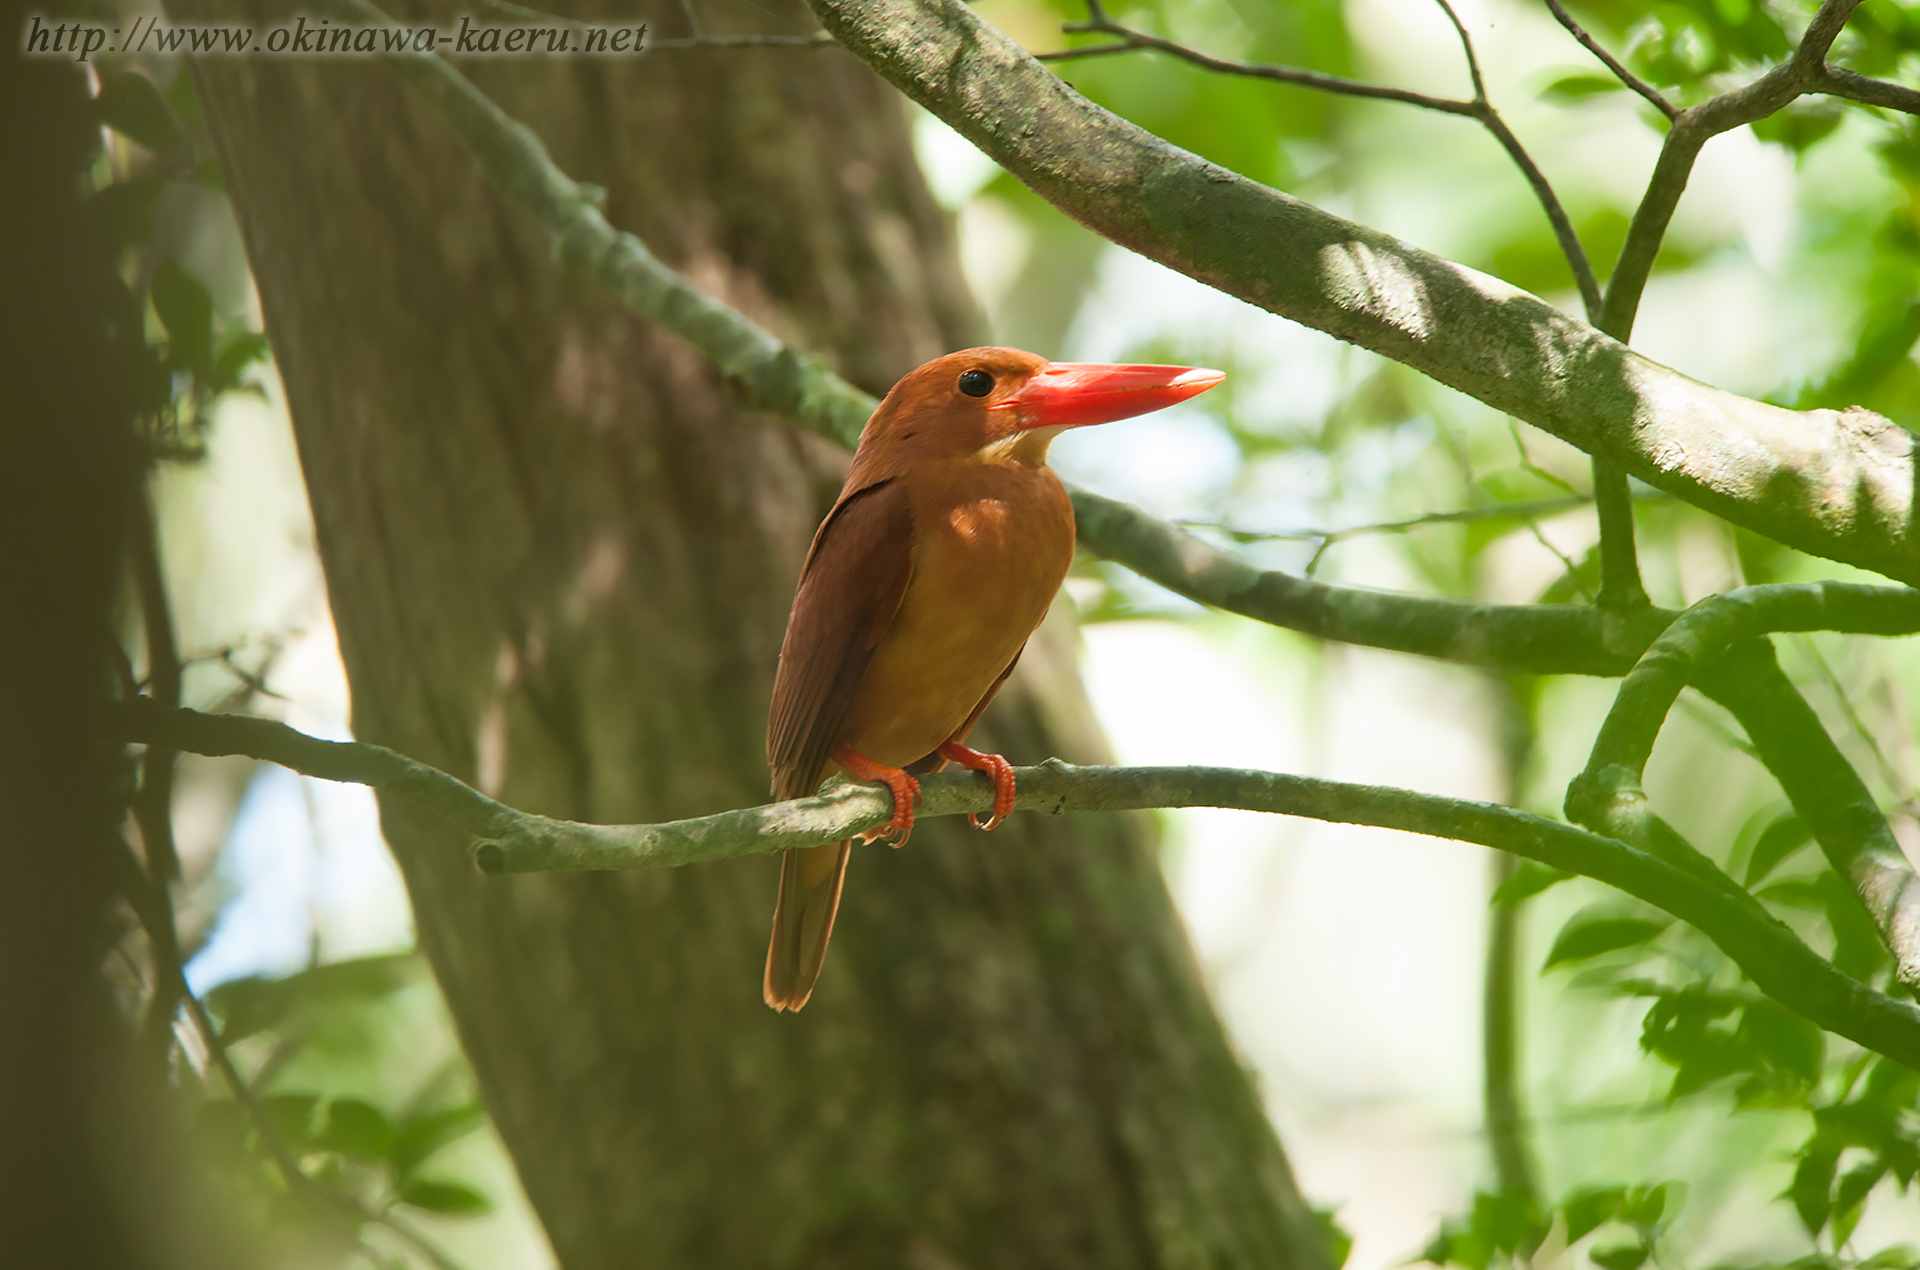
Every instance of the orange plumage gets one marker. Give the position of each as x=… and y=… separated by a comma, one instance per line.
x=945, y=548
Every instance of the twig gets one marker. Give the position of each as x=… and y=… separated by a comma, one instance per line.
x=1806, y=71
x=1132, y=41
x=1607, y=796
x=1896, y=784
x=1625, y=76
x=514, y=841
x=1501, y=1033
x=1620, y=586
x=154, y=802
x=1478, y=107
x=699, y=39
x=1465, y=516
x=152, y=805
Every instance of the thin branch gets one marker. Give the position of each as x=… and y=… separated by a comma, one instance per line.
x=1621, y=590
x=1896, y=784
x=1625, y=76
x=513, y=841
x=1134, y=41
x=1563, y=230
x=1502, y=1035
x=1539, y=638
x=1466, y=46
x=1837, y=81
x=1835, y=484
x=1804, y=72
x=1608, y=796
x=1465, y=516
x=152, y=804
x=1557, y=639
x=1826, y=792
x=1478, y=108
x=1620, y=587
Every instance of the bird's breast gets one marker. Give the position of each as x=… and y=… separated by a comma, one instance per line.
x=991, y=547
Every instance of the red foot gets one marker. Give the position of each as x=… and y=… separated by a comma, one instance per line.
x=997, y=769
x=906, y=794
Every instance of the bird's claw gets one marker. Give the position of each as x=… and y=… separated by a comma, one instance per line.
x=906, y=801
x=998, y=770
x=906, y=795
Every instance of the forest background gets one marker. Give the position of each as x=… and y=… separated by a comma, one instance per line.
x=1463, y=1057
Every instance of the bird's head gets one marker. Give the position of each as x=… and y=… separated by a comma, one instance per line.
x=1003, y=405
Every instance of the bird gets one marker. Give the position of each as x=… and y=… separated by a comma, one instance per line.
x=937, y=561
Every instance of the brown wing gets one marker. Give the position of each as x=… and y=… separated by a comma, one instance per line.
x=849, y=592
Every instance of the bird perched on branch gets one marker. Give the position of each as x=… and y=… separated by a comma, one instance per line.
x=940, y=558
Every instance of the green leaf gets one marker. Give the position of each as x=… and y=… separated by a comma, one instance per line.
x=452, y=1198
x=1339, y=1242
x=356, y=1128
x=1801, y=126
x=419, y=1137
x=1507, y=1221
x=1569, y=89
x=186, y=310
x=1788, y=1042
x=1645, y=1206
x=248, y=1006
x=1858, y=949
x=1527, y=881
x=1850, y=1198
x=1776, y=842
x=124, y=209
x=1592, y=937
x=291, y=1116
x=1586, y=1211
x=237, y=352
x=1620, y=1256
x=1812, y=1186
x=132, y=106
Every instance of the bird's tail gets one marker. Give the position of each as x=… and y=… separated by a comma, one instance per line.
x=810, y=882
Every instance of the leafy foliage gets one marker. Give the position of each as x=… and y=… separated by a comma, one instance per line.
x=190, y=351
x=330, y=1050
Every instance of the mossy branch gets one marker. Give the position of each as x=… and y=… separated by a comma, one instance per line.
x=1823, y=787
x=1837, y=484
x=514, y=841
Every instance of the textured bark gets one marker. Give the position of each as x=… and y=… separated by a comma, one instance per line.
x=560, y=563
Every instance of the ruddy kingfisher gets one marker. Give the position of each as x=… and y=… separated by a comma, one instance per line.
x=940, y=557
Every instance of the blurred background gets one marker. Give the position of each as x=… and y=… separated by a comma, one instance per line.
x=1351, y=965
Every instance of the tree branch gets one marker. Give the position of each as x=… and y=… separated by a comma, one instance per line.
x=1556, y=639
x=1620, y=72
x=1825, y=791
x=517, y=842
x=1806, y=71
x=1477, y=108
x=1620, y=587
x=1567, y=639
x=1608, y=796
x=1132, y=40
x=1836, y=484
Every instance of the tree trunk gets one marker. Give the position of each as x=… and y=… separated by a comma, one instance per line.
x=560, y=562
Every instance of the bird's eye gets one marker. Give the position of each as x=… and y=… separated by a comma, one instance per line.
x=976, y=383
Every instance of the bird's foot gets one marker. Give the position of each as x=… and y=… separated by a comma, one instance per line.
x=906, y=794
x=998, y=770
